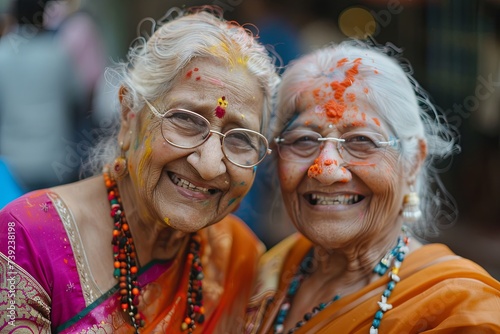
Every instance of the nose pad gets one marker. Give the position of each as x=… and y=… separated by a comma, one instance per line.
x=208, y=158
x=329, y=167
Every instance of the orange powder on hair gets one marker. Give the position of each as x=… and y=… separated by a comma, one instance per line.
x=315, y=169
x=341, y=62
x=351, y=97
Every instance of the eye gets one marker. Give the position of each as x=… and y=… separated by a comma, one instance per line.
x=361, y=141
x=300, y=138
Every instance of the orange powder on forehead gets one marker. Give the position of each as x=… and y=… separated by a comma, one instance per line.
x=363, y=116
x=365, y=90
x=315, y=169
x=334, y=110
x=375, y=119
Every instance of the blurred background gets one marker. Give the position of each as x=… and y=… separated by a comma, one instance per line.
x=453, y=46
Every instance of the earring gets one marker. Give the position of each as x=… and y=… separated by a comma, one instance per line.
x=411, y=206
x=120, y=165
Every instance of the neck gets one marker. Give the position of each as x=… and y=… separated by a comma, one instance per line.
x=153, y=238
x=343, y=271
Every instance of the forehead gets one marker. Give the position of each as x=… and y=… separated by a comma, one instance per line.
x=205, y=84
x=320, y=106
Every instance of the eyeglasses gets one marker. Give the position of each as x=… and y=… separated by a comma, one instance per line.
x=357, y=148
x=187, y=129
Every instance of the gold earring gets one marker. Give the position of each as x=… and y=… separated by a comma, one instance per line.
x=411, y=206
x=120, y=169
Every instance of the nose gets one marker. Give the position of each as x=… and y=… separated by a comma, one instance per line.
x=207, y=158
x=329, y=167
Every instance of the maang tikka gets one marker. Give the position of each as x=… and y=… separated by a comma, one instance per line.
x=411, y=206
x=119, y=169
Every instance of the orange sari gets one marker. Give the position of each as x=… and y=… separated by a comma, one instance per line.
x=439, y=292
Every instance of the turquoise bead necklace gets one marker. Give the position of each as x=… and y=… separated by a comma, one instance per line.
x=393, y=260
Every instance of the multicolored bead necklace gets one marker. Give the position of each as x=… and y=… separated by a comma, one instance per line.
x=195, y=313
x=125, y=264
x=393, y=259
x=124, y=255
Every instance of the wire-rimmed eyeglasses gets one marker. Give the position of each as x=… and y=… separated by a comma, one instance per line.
x=184, y=128
x=355, y=147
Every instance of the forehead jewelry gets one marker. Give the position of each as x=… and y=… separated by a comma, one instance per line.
x=220, y=110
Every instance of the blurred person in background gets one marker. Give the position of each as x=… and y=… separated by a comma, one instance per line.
x=41, y=102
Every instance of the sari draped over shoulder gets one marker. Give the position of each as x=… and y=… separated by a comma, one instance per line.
x=439, y=292
x=46, y=285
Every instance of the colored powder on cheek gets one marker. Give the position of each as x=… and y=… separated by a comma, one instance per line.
x=375, y=71
x=189, y=74
x=166, y=220
x=315, y=169
x=198, y=78
x=144, y=162
x=376, y=121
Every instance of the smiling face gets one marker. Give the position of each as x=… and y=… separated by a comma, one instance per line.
x=189, y=189
x=334, y=202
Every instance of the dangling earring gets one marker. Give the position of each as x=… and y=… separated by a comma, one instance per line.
x=411, y=206
x=120, y=165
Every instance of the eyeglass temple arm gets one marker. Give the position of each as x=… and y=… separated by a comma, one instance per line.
x=153, y=109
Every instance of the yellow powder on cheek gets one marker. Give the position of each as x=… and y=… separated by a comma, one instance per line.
x=145, y=159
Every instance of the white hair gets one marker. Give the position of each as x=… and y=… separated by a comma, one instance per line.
x=385, y=80
x=178, y=38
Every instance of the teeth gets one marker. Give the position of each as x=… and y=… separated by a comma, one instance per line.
x=188, y=185
x=336, y=200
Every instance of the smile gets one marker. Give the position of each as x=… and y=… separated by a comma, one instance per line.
x=334, y=200
x=188, y=185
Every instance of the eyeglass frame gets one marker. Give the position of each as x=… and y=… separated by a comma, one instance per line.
x=210, y=132
x=385, y=144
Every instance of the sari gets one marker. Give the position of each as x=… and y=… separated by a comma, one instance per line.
x=439, y=292
x=46, y=285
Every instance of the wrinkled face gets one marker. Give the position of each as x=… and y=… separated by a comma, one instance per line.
x=189, y=189
x=336, y=199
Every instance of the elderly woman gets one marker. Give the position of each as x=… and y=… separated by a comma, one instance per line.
x=356, y=138
x=138, y=248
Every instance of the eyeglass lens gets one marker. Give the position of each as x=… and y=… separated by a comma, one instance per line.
x=353, y=147
x=187, y=129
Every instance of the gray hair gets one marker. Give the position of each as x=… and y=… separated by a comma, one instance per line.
x=388, y=85
x=179, y=37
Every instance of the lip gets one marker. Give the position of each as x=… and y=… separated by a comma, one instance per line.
x=192, y=189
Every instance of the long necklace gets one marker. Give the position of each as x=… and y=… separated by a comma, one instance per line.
x=393, y=259
x=124, y=255
x=126, y=269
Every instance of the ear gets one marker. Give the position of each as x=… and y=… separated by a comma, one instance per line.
x=126, y=120
x=418, y=160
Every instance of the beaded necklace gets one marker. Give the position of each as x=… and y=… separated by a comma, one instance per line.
x=126, y=269
x=393, y=258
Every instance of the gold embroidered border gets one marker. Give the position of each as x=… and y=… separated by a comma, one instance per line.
x=89, y=288
x=24, y=303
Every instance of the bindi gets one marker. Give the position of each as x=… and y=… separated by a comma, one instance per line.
x=220, y=109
